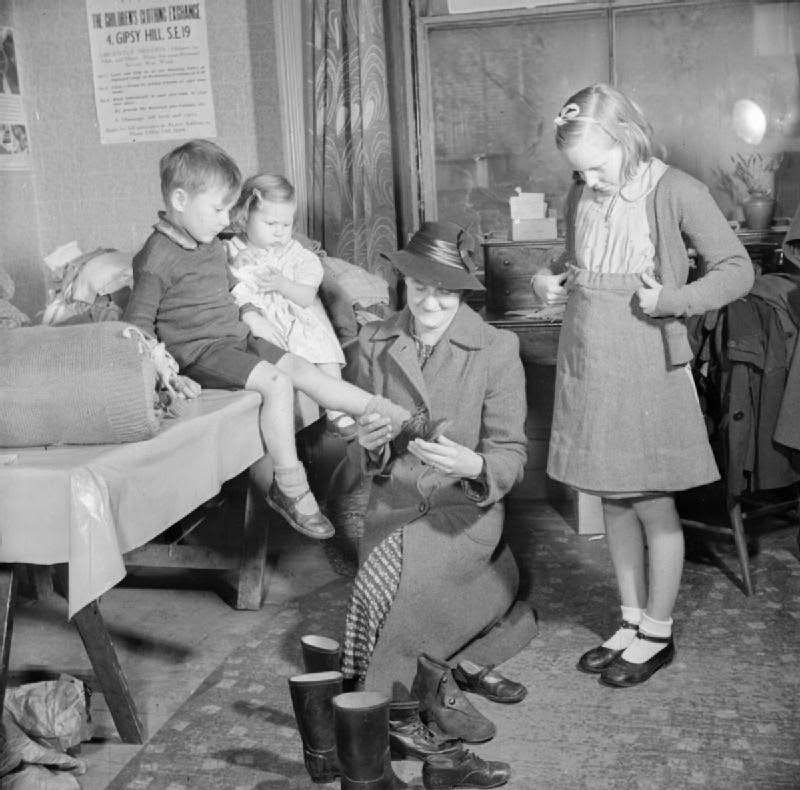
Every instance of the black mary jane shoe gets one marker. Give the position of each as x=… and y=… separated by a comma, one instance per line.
x=597, y=659
x=623, y=674
x=490, y=684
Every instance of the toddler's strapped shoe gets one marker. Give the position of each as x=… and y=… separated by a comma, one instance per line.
x=462, y=769
x=622, y=674
x=597, y=659
x=313, y=525
x=490, y=684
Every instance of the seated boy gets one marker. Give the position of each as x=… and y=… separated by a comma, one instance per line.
x=181, y=295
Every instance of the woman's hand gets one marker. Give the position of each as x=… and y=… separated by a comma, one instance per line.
x=648, y=293
x=447, y=456
x=374, y=431
x=550, y=288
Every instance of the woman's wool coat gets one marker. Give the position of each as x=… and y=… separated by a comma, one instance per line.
x=458, y=586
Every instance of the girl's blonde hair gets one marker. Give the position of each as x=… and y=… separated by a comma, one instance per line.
x=257, y=190
x=602, y=106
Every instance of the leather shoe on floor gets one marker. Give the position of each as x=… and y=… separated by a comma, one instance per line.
x=312, y=525
x=411, y=739
x=463, y=769
x=444, y=707
x=597, y=659
x=489, y=684
x=622, y=674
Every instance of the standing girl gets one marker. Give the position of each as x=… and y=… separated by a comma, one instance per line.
x=627, y=424
x=279, y=278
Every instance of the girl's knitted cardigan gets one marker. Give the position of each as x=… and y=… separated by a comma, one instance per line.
x=681, y=213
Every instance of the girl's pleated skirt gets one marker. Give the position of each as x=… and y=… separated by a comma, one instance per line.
x=623, y=420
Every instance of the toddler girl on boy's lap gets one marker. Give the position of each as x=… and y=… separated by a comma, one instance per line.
x=279, y=279
x=181, y=295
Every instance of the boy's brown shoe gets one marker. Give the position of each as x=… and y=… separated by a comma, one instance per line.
x=312, y=525
x=463, y=769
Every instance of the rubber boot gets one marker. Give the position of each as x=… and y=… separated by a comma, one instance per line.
x=361, y=721
x=312, y=700
x=443, y=704
x=320, y=654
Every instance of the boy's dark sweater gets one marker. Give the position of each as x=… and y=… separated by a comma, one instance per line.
x=181, y=293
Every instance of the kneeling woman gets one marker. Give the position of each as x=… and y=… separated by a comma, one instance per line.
x=434, y=606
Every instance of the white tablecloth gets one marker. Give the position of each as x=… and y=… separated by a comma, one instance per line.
x=88, y=505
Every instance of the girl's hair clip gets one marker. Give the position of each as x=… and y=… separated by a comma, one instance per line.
x=568, y=113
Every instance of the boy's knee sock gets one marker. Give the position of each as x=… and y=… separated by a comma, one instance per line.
x=622, y=637
x=293, y=482
x=641, y=650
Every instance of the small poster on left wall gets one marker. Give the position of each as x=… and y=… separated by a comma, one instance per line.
x=15, y=151
x=151, y=70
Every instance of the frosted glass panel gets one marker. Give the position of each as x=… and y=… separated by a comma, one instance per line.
x=495, y=89
x=688, y=67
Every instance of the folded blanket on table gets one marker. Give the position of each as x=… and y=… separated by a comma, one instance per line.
x=86, y=384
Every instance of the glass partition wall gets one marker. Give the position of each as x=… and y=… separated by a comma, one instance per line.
x=718, y=80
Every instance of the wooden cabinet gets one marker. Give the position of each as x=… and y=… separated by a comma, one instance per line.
x=508, y=268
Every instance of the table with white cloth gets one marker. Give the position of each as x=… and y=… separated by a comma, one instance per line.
x=86, y=507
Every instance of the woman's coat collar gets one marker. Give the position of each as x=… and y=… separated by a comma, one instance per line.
x=466, y=332
x=467, y=328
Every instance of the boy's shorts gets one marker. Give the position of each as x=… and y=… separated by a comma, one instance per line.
x=228, y=363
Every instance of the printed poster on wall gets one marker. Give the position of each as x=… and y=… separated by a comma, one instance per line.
x=151, y=73
x=15, y=151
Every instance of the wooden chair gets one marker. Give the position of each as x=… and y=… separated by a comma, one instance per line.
x=731, y=520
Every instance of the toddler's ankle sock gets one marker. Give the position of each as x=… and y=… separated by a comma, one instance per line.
x=339, y=418
x=293, y=482
x=622, y=637
x=641, y=650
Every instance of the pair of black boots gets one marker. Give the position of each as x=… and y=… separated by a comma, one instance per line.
x=344, y=735
x=354, y=735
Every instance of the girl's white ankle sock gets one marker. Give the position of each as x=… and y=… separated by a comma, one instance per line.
x=620, y=639
x=641, y=650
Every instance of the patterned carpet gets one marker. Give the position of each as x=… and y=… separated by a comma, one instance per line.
x=726, y=714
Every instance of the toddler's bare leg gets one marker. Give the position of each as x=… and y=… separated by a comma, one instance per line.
x=337, y=394
x=338, y=421
x=333, y=369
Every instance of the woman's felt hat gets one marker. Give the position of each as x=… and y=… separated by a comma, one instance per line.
x=437, y=255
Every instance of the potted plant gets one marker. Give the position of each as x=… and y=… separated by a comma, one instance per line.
x=757, y=173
